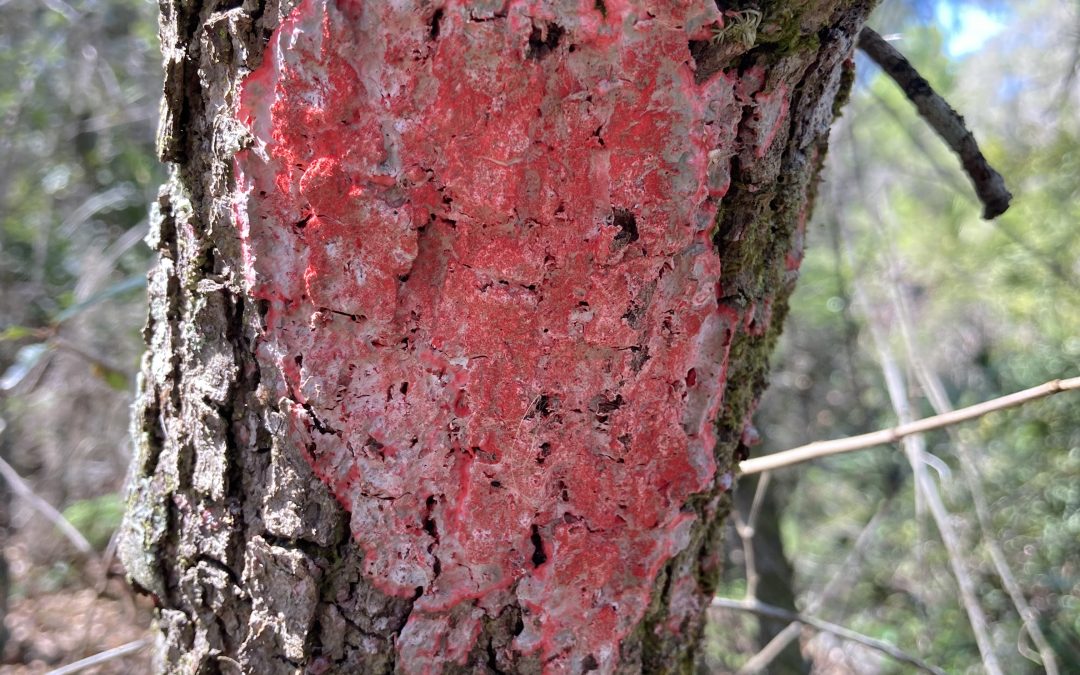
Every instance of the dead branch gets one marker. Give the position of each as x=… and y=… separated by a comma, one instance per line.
x=949, y=125
x=101, y=657
x=772, y=612
x=20, y=488
x=819, y=449
x=915, y=450
x=939, y=400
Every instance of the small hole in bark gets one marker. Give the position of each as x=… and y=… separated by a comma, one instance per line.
x=404, y=388
x=299, y=360
x=429, y=522
x=538, y=556
x=436, y=20
x=372, y=446
x=543, y=40
x=545, y=451
x=496, y=484
x=627, y=224
x=589, y=663
x=302, y=223
x=403, y=278
x=691, y=377
x=543, y=407
x=484, y=455
x=604, y=407
x=599, y=6
x=519, y=625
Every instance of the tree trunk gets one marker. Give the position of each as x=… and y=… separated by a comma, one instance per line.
x=461, y=313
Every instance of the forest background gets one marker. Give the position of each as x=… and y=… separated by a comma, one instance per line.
x=907, y=303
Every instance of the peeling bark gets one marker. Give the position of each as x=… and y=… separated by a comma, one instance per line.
x=460, y=315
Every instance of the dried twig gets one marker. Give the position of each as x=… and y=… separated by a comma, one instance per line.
x=915, y=448
x=745, y=530
x=20, y=488
x=102, y=657
x=842, y=578
x=935, y=392
x=772, y=612
x=989, y=185
x=819, y=449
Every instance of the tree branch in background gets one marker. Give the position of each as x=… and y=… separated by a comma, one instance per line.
x=20, y=488
x=989, y=185
x=762, y=609
x=745, y=530
x=843, y=578
x=915, y=450
x=818, y=449
x=934, y=390
x=102, y=657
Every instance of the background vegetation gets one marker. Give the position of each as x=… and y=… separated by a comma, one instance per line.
x=963, y=310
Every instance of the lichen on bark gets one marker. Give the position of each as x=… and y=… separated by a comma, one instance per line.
x=618, y=158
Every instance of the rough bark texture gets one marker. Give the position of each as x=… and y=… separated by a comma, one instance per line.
x=243, y=520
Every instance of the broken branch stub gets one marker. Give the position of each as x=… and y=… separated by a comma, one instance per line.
x=946, y=122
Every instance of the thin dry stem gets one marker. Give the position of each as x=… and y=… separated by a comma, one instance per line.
x=21, y=489
x=989, y=185
x=935, y=392
x=773, y=612
x=840, y=579
x=819, y=449
x=914, y=448
x=101, y=657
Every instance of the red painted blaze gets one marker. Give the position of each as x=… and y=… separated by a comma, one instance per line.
x=481, y=230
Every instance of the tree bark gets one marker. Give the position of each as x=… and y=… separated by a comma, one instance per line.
x=253, y=516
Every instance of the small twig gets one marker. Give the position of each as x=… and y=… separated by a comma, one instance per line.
x=915, y=450
x=819, y=449
x=842, y=578
x=745, y=530
x=935, y=392
x=20, y=488
x=989, y=185
x=758, y=500
x=767, y=654
x=102, y=657
x=746, y=538
x=772, y=612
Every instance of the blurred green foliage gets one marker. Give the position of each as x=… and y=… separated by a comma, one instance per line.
x=97, y=518
x=993, y=307
x=79, y=91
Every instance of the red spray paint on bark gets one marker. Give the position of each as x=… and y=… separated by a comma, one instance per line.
x=482, y=234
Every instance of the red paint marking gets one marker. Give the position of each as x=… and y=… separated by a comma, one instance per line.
x=493, y=298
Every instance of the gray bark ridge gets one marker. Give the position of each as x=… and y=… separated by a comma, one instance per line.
x=248, y=555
